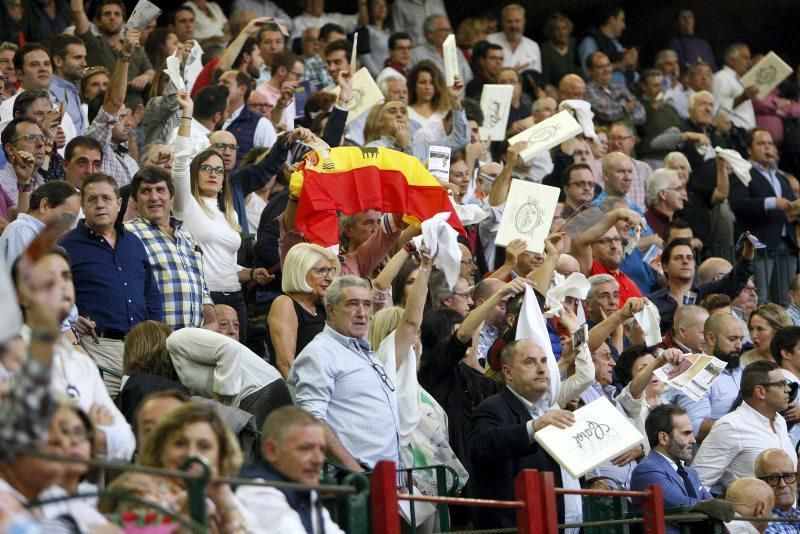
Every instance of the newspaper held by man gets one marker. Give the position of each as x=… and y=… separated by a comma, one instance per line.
x=693, y=376
x=143, y=14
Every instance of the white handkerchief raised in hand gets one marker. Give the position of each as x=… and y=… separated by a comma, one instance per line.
x=649, y=319
x=741, y=167
x=442, y=241
x=194, y=64
x=576, y=286
x=531, y=325
x=583, y=114
x=173, y=70
x=468, y=213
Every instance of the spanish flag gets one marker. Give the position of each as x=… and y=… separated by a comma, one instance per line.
x=354, y=179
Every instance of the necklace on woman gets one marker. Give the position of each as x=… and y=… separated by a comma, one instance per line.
x=305, y=307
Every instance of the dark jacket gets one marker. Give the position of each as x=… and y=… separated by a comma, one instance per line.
x=500, y=449
x=243, y=128
x=747, y=203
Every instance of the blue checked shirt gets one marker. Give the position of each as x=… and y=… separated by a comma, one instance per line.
x=784, y=528
x=177, y=269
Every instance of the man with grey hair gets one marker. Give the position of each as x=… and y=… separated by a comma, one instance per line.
x=437, y=28
x=666, y=61
x=338, y=379
x=706, y=210
x=394, y=88
x=734, y=98
x=519, y=52
x=665, y=195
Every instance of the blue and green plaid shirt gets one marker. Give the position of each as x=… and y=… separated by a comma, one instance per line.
x=784, y=528
x=177, y=267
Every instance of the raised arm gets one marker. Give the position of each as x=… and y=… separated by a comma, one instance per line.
x=581, y=248
x=79, y=17
x=412, y=316
x=642, y=379
x=476, y=317
x=183, y=155
x=118, y=85
x=499, y=191
x=602, y=330
x=232, y=51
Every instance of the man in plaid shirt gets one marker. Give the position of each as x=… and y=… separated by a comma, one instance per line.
x=777, y=469
x=175, y=257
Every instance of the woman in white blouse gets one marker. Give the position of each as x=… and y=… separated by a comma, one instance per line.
x=204, y=202
x=428, y=101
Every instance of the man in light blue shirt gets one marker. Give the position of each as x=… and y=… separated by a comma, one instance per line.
x=723, y=335
x=339, y=380
x=68, y=54
x=48, y=202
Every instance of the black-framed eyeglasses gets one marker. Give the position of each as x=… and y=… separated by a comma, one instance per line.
x=222, y=146
x=782, y=383
x=220, y=171
x=464, y=295
x=383, y=376
x=470, y=261
x=774, y=480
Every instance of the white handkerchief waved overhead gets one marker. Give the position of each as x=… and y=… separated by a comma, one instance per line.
x=583, y=114
x=576, y=286
x=441, y=240
x=531, y=325
x=649, y=319
x=741, y=167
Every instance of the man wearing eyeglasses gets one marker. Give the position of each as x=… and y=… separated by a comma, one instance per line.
x=27, y=139
x=339, y=380
x=729, y=451
x=775, y=467
x=578, y=185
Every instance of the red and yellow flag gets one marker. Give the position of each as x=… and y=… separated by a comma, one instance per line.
x=354, y=179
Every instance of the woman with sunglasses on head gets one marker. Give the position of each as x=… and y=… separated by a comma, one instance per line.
x=204, y=202
x=299, y=314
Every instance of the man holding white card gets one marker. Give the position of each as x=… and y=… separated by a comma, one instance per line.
x=501, y=442
x=437, y=29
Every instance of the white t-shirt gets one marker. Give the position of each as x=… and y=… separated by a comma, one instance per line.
x=527, y=53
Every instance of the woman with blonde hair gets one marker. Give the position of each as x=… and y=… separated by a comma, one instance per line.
x=428, y=101
x=204, y=202
x=470, y=32
x=298, y=315
x=762, y=324
x=189, y=430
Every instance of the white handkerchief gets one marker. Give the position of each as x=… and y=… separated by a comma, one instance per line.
x=575, y=286
x=583, y=114
x=468, y=213
x=531, y=325
x=194, y=64
x=741, y=167
x=649, y=320
x=173, y=70
x=442, y=240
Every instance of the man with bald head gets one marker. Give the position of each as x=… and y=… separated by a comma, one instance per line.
x=618, y=175
x=775, y=467
x=227, y=321
x=687, y=329
x=571, y=87
x=723, y=335
x=507, y=421
x=750, y=497
x=622, y=138
x=495, y=322
x=567, y=265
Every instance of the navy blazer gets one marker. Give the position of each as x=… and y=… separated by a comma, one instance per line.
x=747, y=204
x=499, y=449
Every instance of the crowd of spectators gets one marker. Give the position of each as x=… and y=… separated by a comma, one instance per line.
x=161, y=300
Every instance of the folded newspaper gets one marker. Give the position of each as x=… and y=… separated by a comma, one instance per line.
x=693, y=376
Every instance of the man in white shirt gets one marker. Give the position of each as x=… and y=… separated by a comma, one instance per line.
x=519, y=52
x=75, y=376
x=731, y=94
x=293, y=449
x=731, y=447
x=314, y=16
